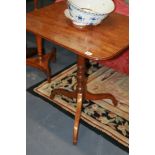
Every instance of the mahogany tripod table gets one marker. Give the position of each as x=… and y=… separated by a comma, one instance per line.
x=101, y=42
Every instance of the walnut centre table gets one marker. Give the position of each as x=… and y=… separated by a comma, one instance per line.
x=101, y=42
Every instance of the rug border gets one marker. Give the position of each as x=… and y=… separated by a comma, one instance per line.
x=107, y=137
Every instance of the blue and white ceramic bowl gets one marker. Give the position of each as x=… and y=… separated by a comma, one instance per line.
x=89, y=12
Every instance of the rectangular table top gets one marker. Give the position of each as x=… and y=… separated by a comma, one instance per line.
x=99, y=42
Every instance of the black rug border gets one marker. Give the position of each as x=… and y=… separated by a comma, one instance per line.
x=107, y=137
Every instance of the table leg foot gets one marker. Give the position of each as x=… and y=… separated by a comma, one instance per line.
x=77, y=118
x=62, y=92
x=91, y=96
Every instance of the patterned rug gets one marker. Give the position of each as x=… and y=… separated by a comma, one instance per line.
x=100, y=115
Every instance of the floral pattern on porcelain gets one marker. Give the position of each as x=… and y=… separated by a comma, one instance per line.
x=83, y=16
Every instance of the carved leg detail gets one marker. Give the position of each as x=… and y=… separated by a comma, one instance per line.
x=52, y=56
x=81, y=87
x=62, y=92
x=77, y=118
x=91, y=96
x=48, y=73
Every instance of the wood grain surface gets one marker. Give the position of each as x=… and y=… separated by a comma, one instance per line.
x=103, y=42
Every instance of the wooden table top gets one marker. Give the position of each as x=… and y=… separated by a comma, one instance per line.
x=100, y=42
